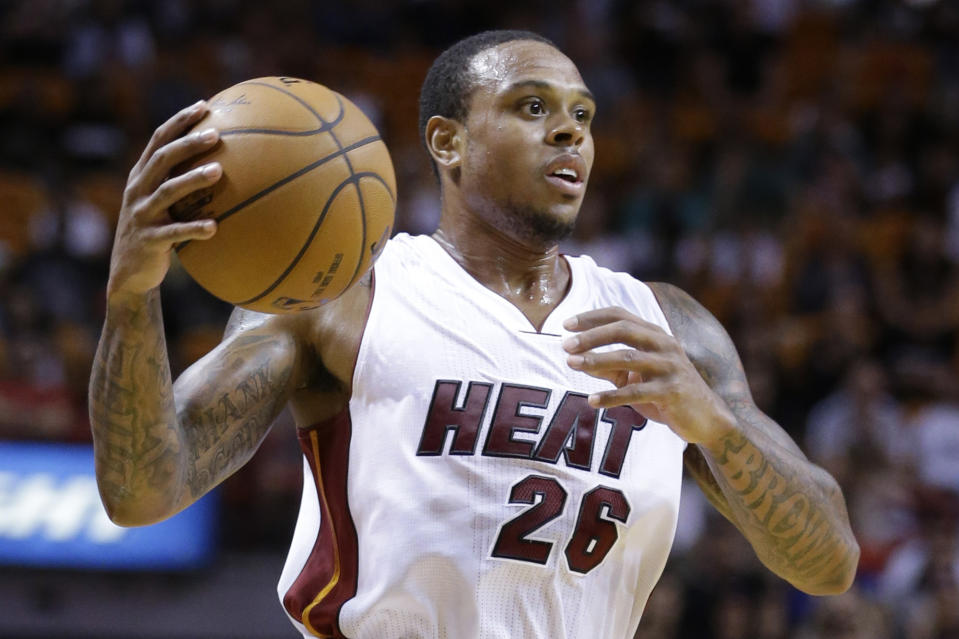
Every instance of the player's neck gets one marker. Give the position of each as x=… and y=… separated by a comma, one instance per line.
x=532, y=278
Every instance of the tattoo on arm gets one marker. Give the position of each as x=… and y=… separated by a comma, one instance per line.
x=792, y=511
x=789, y=507
x=158, y=451
x=230, y=412
x=136, y=444
x=699, y=470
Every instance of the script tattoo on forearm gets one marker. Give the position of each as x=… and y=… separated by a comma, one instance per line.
x=791, y=511
x=153, y=446
x=136, y=445
x=785, y=506
x=228, y=419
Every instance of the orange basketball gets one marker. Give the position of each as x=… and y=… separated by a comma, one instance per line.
x=306, y=200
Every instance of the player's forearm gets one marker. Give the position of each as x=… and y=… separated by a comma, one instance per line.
x=791, y=511
x=137, y=441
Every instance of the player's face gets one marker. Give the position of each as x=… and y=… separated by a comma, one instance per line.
x=529, y=148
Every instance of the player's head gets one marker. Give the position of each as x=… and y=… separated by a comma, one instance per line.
x=505, y=117
x=449, y=83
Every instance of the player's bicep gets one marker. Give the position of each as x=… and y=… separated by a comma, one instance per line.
x=228, y=399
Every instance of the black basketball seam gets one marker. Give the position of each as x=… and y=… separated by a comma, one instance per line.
x=306, y=105
x=230, y=132
x=289, y=178
x=353, y=179
x=359, y=195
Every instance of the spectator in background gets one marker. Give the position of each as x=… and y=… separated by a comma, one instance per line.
x=664, y=610
x=935, y=426
x=851, y=616
x=918, y=301
x=858, y=425
x=859, y=432
x=920, y=579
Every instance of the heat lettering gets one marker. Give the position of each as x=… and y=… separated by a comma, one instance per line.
x=508, y=419
x=571, y=433
x=514, y=431
x=444, y=416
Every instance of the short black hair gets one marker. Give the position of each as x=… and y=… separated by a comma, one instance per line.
x=447, y=87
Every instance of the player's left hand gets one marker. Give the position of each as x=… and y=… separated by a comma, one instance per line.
x=652, y=373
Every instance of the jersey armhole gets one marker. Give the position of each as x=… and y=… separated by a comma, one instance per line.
x=360, y=361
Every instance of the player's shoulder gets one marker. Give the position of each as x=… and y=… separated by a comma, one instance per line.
x=349, y=306
x=703, y=337
x=682, y=310
x=403, y=252
x=585, y=266
x=682, y=315
x=673, y=299
x=608, y=286
x=404, y=245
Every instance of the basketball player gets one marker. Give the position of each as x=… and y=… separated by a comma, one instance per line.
x=493, y=433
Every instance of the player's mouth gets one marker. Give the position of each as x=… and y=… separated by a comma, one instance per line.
x=567, y=173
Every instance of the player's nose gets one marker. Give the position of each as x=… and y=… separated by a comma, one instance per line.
x=566, y=130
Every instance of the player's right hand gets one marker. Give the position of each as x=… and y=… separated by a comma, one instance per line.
x=146, y=233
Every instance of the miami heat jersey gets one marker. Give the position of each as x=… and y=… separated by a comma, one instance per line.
x=470, y=491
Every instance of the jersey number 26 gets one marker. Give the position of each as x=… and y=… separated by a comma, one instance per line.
x=593, y=537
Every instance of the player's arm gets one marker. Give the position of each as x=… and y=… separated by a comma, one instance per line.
x=159, y=447
x=791, y=511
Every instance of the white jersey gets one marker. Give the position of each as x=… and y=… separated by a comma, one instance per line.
x=469, y=491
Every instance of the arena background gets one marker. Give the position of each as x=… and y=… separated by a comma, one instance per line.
x=793, y=164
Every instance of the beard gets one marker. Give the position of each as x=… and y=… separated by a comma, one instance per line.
x=536, y=226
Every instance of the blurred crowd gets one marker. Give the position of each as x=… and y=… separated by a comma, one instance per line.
x=793, y=164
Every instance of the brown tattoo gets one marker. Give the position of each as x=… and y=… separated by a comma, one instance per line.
x=151, y=447
x=134, y=446
x=227, y=419
x=791, y=511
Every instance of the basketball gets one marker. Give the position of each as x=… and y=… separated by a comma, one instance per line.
x=305, y=203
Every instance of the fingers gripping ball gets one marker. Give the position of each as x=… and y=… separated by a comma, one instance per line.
x=306, y=200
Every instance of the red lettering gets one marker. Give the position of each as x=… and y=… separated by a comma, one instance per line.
x=624, y=420
x=444, y=416
x=571, y=433
x=507, y=421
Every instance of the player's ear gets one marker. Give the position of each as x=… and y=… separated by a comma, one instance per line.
x=444, y=140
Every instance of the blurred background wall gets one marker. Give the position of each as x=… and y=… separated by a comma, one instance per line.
x=794, y=164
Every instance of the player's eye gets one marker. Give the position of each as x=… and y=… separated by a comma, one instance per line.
x=582, y=115
x=534, y=106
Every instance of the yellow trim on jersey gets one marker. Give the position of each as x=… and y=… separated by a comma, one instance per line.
x=305, y=615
